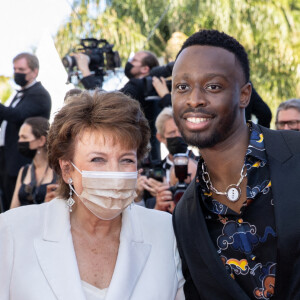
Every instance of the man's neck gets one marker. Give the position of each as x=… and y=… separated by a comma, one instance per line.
x=141, y=76
x=170, y=157
x=225, y=160
x=29, y=84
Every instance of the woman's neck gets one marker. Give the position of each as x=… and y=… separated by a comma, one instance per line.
x=84, y=220
x=40, y=159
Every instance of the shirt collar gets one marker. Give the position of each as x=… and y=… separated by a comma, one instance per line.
x=256, y=147
x=29, y=85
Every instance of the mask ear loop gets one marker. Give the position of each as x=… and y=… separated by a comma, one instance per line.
x=75, y=167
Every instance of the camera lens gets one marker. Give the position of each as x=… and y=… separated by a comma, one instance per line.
x=69, y=61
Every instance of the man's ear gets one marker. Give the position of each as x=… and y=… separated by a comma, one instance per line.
x=36, y=72
x=160, y=138
x=145, y=69
x=245, y=95
x=66, y=168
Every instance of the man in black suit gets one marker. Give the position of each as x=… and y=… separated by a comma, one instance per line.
x=237, y=225
x=30, y=101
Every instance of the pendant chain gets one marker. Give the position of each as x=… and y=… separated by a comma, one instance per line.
x=231, y=188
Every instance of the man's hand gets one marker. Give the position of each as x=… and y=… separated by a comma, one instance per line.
x=164, y=199
x=152, y=186
x=82, y=61
x=140, y=187
x=160, y=86
x=51, y=192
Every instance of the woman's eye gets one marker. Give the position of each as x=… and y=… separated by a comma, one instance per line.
x=98, y=159
x=128, y=161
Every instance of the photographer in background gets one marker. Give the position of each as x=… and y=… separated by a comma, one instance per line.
x=136, y=69
x=167, y=133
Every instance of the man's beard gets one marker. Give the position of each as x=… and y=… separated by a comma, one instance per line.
x=195, y=139
x=220, y=133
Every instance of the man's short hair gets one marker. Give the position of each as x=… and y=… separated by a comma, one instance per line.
x=219, y=39
x=32, y=60
x=288, y=104
x=150, y=60
x=165, y=115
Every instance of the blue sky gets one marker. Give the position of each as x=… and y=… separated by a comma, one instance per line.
x=23, y=23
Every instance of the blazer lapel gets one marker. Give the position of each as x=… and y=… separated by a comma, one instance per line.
x=132, y=257
x=208, y=253
x=285, y=174
x=56, y=253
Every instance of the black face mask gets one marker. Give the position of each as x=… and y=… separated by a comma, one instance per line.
x=176, y=145
x=127, y=70
x=20, y=79
x=24, y=149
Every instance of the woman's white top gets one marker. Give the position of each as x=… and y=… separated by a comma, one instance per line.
x=92, y=292
x=36, y=246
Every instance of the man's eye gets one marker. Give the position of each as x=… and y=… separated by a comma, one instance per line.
x=213, y=87
x=182, y=87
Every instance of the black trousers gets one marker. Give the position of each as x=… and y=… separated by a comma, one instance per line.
x=7, y=184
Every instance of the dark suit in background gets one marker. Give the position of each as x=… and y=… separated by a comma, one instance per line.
x=205, y=274
x=136, y=89
x=35, y=101
x=259, y=109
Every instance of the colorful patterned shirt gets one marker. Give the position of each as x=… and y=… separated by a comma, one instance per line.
x=246, y=241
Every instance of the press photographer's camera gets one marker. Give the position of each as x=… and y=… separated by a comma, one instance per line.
x=101, y=57
x=159, y=71
x=181, y=161
x=153, y=169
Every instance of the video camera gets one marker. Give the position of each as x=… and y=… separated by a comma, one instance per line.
x=159, y=71
x=101, y=58
x=181, y=161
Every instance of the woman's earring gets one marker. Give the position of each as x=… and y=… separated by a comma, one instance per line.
x=70, y=201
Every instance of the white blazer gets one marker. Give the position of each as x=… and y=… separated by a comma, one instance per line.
x=38, y=262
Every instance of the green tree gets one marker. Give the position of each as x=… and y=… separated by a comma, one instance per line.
x=269, y=30
x=122, y=31
x=5, y=89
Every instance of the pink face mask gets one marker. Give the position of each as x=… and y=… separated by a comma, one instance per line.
x=107, y=194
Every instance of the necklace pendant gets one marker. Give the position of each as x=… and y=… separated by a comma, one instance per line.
x=233, y=193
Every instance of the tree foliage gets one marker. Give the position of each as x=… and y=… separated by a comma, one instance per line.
x=5, y=89
x=269, y=30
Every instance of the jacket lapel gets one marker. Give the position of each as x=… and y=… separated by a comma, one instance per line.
x=285, y=174
x=56, y=255
x=207, y=251
x=132, y=257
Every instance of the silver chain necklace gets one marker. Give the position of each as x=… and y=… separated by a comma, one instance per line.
x=233, y=191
